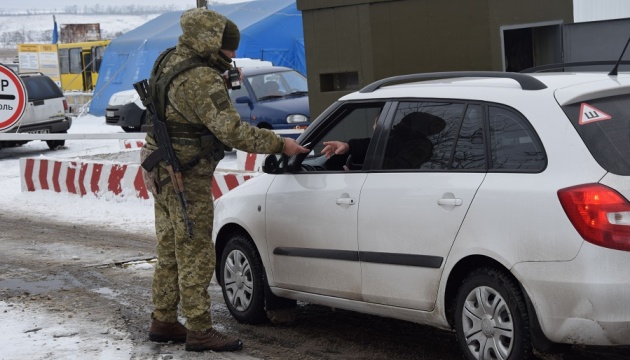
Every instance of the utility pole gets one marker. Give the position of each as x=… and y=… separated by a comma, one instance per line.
x=202, y=4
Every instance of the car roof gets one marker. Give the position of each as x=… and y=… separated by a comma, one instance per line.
x=567, y=87
x=249, y=71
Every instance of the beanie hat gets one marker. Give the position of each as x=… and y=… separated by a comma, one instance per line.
x=231, y=36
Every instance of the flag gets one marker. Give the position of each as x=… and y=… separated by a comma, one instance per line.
x=55, y=34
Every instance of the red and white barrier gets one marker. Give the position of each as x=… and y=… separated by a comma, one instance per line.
x=82, y=177
x=224, y=182
x=249, y=162
x=130, y=144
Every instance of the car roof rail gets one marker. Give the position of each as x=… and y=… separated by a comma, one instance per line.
x=557, y=66
x=527, y=82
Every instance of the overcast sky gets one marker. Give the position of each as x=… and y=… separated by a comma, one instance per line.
x=61, y=4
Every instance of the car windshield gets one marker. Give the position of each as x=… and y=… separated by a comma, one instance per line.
x=605, y=129
x=278, y=84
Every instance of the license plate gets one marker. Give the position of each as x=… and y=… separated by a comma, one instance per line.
x=42, y=131
x=109, y=113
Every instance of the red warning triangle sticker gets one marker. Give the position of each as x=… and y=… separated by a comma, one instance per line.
x=589, y=114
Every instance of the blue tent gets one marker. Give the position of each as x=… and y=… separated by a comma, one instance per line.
x=270, y=30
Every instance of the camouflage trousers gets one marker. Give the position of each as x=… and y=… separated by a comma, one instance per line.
x=184, y=266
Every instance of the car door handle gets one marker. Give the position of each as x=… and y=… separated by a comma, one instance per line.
x=450, y=202
x=345, y=201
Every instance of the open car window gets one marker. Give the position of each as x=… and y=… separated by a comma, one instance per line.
x=352, y=124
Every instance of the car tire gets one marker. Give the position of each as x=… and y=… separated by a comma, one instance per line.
x=491, y=319
x=53, y=144
x=242, y=280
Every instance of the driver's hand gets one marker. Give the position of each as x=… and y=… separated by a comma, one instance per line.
x=291, y=147
x=334, y=148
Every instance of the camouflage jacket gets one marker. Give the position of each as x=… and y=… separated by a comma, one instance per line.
x=199, y=96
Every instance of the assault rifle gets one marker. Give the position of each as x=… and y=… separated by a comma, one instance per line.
x=165, y=150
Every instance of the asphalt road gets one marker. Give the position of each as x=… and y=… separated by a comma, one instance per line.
x=77, y=262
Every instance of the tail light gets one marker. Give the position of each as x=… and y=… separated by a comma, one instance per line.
x=65, y=105
x=600, y=214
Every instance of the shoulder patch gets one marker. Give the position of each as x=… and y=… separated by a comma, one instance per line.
x=220, y=100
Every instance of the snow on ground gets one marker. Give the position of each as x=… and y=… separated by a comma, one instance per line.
x=29, y=332
x=76, y=209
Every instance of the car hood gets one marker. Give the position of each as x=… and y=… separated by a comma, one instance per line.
x=291, y=105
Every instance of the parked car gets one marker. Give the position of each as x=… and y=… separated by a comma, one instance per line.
x=270, y=97
x=45, y=113
x=273, y=98
x=514, y=231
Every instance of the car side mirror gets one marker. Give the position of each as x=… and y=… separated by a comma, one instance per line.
x=273, y=165
x=245, y=100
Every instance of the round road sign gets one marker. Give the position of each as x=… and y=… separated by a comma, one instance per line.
x=12, y=98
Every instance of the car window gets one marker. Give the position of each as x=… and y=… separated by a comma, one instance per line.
x=422, y=135
x=292, y=82
x=277, y=84
x=604, y=127
x=470, y=149
x=513, y=143
x=235, y=94
x=41, y=88
x=353, y=124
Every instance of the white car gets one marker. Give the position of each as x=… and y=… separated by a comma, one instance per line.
x=46, y=112
x=494, y=204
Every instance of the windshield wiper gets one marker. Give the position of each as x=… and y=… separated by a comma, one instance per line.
x=298, y=93
x=270, y=97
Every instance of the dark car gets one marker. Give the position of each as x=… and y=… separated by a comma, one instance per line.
x=273, y=98
x=270, y=97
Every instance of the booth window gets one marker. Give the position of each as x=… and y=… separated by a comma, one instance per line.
x=345, y=81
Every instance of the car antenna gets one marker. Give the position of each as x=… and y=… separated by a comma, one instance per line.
x=613, y=72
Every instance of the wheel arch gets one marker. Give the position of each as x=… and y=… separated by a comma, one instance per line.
x=272, y=302
x=221, y=240
x=457, y=275
x=469, y=263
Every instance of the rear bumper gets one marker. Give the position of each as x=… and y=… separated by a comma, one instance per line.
x=582, y=301
x=57, y=126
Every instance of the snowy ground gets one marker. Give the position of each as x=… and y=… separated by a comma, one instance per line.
x=26, y=330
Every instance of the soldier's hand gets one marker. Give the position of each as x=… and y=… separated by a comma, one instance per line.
x=291, y=147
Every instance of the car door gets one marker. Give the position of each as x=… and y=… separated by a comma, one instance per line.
x=410, y=211
x=312, y=215
x=243, y=102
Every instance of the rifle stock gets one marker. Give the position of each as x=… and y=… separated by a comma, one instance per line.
x=165, y=150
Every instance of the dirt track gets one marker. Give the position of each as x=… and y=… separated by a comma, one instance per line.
x=78, y=272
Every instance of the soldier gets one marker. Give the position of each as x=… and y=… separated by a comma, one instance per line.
x=200, y=119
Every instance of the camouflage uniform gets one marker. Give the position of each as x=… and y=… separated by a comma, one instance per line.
x=197, y=97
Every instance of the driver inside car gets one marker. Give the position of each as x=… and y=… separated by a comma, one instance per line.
x=356, y=148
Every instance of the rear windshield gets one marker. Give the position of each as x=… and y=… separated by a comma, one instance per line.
x=604, y=125
x=41, y=88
